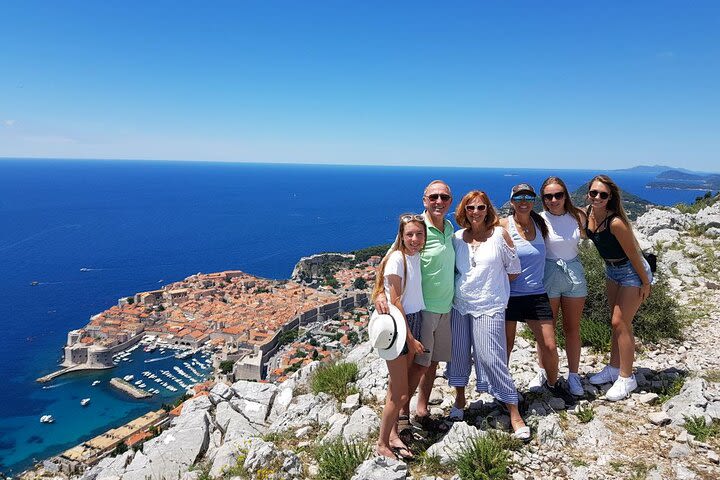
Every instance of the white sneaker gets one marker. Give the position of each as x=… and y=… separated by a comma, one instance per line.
x=621, y=388
x=536, y=384
x=607, y=375
x=575, y=385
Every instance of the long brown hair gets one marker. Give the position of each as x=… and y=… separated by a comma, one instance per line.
x=567, y=204
x=398, y=244
x=491, y=218
x=615, y=203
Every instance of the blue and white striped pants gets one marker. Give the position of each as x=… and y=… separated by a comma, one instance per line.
x=486, y=335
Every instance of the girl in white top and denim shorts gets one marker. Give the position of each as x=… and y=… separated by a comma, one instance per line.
x=564, y=277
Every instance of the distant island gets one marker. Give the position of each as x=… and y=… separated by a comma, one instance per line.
x=673, y=178
x=684, y=180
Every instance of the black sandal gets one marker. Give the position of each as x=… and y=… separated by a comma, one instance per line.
x=403, y=452
x=430, y=424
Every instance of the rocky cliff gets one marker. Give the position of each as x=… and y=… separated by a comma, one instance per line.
x=263, y=431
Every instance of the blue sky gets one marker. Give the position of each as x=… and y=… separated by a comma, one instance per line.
x=565, y=83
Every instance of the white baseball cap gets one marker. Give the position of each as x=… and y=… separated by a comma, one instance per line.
x=388, y=332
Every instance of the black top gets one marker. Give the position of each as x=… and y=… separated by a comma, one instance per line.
x=606, y=243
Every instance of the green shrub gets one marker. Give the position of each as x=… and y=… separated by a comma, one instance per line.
x=697, y=427
x=338, y=460
x=699, y=203
x=670, y=388
x=486, y=457
x=585, y=413
x=334, y=379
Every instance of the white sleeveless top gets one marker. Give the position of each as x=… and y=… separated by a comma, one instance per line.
x=563, y=236
x=412, y=299
x=482, y=286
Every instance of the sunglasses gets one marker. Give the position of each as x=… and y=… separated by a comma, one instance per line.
x=556, y=196
x=472, y=208
x=595, y=193
x=412, y=217
x=523, y=198
x=442, y=196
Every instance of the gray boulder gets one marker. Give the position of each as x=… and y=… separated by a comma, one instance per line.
x=171, y=453
x=381, y=468
x=362, y=423
x=594, y=434
x=690, y=401
x=709, y=216
x=549, y=431
x=202, y=404
x=220, y=392
x=656, y=219
x=234, y=424
x=306, y=410
x=459, y=436
x=284, y=464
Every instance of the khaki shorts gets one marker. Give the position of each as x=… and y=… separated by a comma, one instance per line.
x=435, y=335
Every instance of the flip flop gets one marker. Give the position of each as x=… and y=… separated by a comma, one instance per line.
x=403, y=452
x=456, y=414
x=522, y=433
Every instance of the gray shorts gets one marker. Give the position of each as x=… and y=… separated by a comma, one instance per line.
x=436, y=336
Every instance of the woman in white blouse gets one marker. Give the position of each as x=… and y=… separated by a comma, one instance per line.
x=485, y=262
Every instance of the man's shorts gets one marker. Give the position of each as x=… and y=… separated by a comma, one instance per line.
x=435, y=335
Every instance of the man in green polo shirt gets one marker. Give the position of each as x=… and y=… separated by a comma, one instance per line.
x=437, y=262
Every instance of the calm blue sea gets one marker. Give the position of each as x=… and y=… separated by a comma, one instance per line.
x=139, y=225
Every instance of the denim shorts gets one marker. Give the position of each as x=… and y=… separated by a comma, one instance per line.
x=625, y=275
x=565, y=278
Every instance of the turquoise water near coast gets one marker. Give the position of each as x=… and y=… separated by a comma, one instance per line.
x=135, y=226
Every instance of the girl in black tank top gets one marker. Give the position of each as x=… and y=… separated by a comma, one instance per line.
x=628, y=281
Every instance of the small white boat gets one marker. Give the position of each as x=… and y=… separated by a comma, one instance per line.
x=47, y=419
x=84, y=401
x=95, y=383
x=127, y=378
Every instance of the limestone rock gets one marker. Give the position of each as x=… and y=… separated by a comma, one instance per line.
x=690, y=401
x=306, y=410
x=459, y=436
x=362, y=423
x=659, y=418
x=227, y=456
x=283, y=463
x=201, y=403
x=594, y=434
x=220, y=392
x=381, y=468
x=657, y=219
x=549, y=431
x=171, y=453
x=337, y=424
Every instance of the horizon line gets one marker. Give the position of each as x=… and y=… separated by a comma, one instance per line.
x=2, y=158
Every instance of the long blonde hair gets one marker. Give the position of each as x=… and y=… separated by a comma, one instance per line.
x=398, y=244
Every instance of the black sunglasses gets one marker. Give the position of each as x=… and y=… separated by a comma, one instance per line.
x=442, y=196
x=556, y=196
x=595, y=193
x=472, y=208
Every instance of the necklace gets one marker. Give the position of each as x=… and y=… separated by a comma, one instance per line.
x=481, y=238
x=525, y=229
